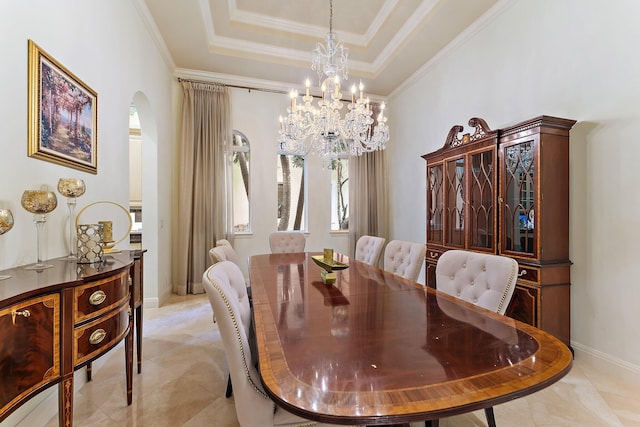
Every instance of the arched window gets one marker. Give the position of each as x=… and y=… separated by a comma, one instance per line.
x=239, y=182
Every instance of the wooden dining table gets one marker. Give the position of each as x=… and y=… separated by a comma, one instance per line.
x=376, y=349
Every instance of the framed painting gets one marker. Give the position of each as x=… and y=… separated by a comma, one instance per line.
x=62, y=114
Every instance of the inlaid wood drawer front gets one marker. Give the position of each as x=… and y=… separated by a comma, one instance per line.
x=530, y=274
x=29, y=348
x=92, y=337
x=99, y=297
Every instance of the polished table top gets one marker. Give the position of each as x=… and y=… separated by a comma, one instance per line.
x=374, y=348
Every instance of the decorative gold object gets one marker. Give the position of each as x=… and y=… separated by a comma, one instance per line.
x=327, y=275
x=6, y=220
x=6, y=224
x=71, y=188
x=109, y=246
x=39, y=203
x=108, y=234
x=90, y=243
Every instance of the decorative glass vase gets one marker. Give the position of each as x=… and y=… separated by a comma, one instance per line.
x=6, y=224
x=71, y=188
x=39, y=203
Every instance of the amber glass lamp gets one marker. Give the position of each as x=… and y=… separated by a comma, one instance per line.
x=39, y=203
x=71, y=188
x=6, y=224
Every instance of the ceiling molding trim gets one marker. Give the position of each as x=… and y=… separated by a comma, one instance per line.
x=297, y=28
x=229, y=79
x=405, y=32
x=205, y=13
x=154, y=32
x=487, y=18
x=229, y=46
x=233, y=80
x=385, y=11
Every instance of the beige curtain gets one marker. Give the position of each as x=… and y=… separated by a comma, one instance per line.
x=206, y=128
x=368, y=196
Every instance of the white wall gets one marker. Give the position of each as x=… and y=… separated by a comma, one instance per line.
x=568, y=58
x=106, y=45
x=255, y=114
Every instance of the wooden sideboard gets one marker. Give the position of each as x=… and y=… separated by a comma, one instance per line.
x=55, y=321
x=506, y=191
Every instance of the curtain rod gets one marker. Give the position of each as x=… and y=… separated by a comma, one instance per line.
x=250, y=88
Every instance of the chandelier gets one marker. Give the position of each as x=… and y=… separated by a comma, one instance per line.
x=320, y=128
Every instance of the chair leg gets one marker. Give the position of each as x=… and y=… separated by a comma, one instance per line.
x=491, y=421
x=229, y=391
x=432, y=423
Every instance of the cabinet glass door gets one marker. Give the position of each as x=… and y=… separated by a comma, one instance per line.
x=518, y=208
x=454, y=202
x=481, y=200
x=434, y=204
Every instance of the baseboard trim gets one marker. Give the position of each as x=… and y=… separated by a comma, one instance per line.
x=610, y=365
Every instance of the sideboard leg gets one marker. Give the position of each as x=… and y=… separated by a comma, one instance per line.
x=65, y=402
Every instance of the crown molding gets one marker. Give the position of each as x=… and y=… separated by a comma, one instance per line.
x=314, y=31
x=154, y=32
x=487, y=18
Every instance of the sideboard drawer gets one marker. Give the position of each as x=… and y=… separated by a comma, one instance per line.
x=98, y=297
x=92, y=337
x=29, y=347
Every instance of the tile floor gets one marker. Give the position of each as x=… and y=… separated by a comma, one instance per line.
x=184, y=375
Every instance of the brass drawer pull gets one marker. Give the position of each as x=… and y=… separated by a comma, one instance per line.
x=25, y=313
x=97, y=336
x=433, y=254
x=522, y=273
x=97, y=298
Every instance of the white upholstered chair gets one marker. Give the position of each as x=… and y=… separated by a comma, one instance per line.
x=482, y=279
x=225, y=288
x=223, y=253
x=222, y=242
x=286, y=242
x=369, y=248
x=404, y=258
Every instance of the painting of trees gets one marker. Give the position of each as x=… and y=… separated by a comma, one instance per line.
x=65, y=125
x=62, y=114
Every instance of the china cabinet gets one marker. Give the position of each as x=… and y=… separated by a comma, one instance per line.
x=506, y=191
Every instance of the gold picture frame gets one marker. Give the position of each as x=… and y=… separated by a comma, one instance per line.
x=62, y=114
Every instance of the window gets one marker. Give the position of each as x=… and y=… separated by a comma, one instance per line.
x=292, y=192
x=239, y=182
x=339, y=194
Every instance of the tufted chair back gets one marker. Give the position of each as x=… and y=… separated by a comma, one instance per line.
x=223, y=242
x=224, y=284
x=482, y=279
x=286, y=242
x=404, y=258
x=223, y=253
x=368, y=249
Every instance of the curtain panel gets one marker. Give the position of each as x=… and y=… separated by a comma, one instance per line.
x=368, y=195
x=206, y=128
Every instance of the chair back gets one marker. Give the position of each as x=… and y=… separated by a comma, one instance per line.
x=224, y=284
x=287, y=242
x=223, y=242
x=483, y=279
x=223, y=253
x=404, y=258
x=369, y=249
